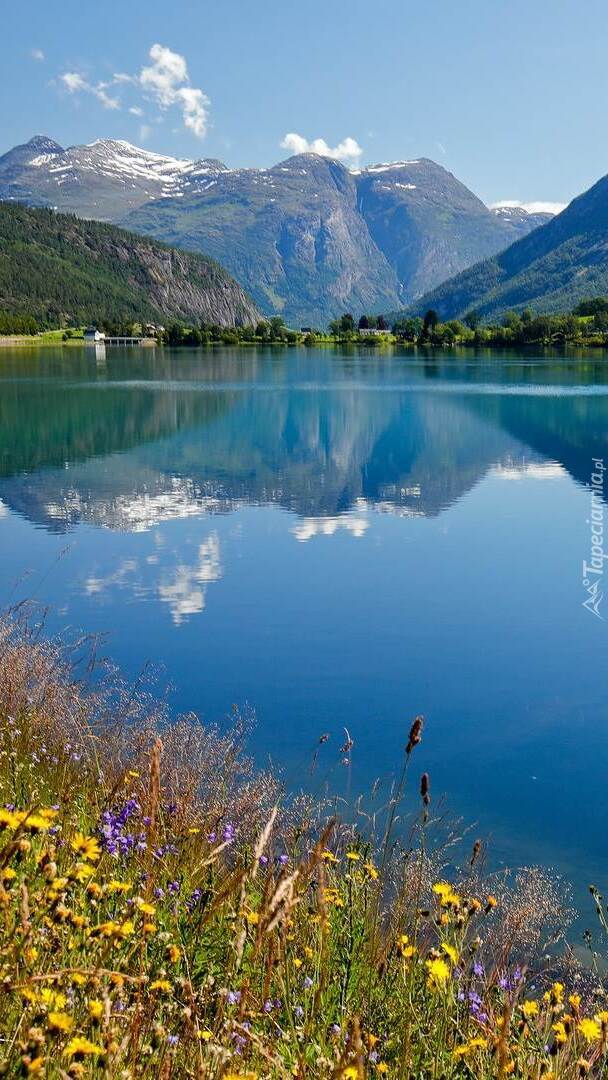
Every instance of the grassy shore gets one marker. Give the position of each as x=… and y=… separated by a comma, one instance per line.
x=164, y=912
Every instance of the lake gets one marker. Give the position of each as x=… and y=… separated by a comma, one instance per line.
x=339, y=539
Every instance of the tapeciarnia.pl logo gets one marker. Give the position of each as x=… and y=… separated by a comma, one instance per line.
x=593, y=571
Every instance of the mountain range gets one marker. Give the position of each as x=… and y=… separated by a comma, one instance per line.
x=55, y=267
x=307, y=238
x=550, y=270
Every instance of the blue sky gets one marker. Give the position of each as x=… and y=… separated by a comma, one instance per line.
x=510, y=96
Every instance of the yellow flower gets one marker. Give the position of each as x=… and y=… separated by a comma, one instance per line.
x=450, y=951
x=371, y=870
x=557, y=991
x=36, y=1064
x=560, y=1032
x=173, y=953
x=79, y=978
x=149, y=928
x=354, y=856
x=590, y=1030
x=96, y=1009
x=205, y=1035
x=351, y=1072
x=468, y=1048
x=119, y=886
x=602, y=1017
x=329, y=856
x=161, y=984
x=134, y=773
x=9, y=874
x=83, y=872
x=491, y=902
x=145, y=908
x=297, y=962
x=60, y=1021
x=87, y=846
x=439, y=973
x=53, y=998
x=530, y=1008
x=574, y=1000
x=241, y=1076
x=447, y=897
x=79, y=1047
x=8, y=819
x=253, y=918
x=382, y=1067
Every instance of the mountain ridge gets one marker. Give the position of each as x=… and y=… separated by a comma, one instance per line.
x=550, y=270
x=307, y=238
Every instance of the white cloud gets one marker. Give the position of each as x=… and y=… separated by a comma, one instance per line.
x=37, y=54
x=348, y=150
x=530, y=207
x=76, y=84
x=166, y=80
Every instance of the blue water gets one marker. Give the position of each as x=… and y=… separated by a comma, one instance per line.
x=338, y=540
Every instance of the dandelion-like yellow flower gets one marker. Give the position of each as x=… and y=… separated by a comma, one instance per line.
x=530, y=1009
x=205, y=1035
x=450, y=951
x=354, y=856
x=560, y=1033
x=161, y=984
x=95, y=1009
x=119, y=887
x=351, y=1072
x=35, y=1065
x=382, y=1067
x=174, y=953
x=60, y=1021
x=87, y=846
x=79, y=1047
x=439, y=973
x=469, y=1047
x=328, y=856
x=574, y=1001
x=371, y=871
x=590, y=1030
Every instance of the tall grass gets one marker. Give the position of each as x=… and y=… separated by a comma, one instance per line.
x=162, y=914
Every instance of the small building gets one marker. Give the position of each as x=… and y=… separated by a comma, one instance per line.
x=92, y=335
x=367, y=331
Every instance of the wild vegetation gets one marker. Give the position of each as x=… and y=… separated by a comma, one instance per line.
x=164, y=911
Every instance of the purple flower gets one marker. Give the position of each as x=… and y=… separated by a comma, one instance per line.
x=307, y=982
x=233, y=997
x=173, y=1040
x=478, y=969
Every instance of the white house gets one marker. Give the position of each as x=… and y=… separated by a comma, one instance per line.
x=92, y=335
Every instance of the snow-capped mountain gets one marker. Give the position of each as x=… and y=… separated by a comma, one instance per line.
x=307, y=238
x=105, y=179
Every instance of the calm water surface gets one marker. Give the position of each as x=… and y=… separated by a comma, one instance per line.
x=337, y=540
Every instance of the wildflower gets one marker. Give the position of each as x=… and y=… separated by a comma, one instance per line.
x=161, y=984
x=79, y=1047
x=530, y=1008
x=328, y=856
x=205, y=1035
x=60, y=1021
x=119, y=886
x=491, y=902
x=351, y=1072
x=469, y=1047
x=371, y=871
x=590, y=1030
x=354, y=856
x=82, y=872
x=146, y=909
x=439, y=973
x=174, y=953
x=382, y=1067
x=149, y=928
x=560, y=1032
x=574, y=1001
x=252, y=917
x=95, y=1009
x=404, y=948
x=8, y=819
x=35, y=1065
x=87, y=846
x=450, y=951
